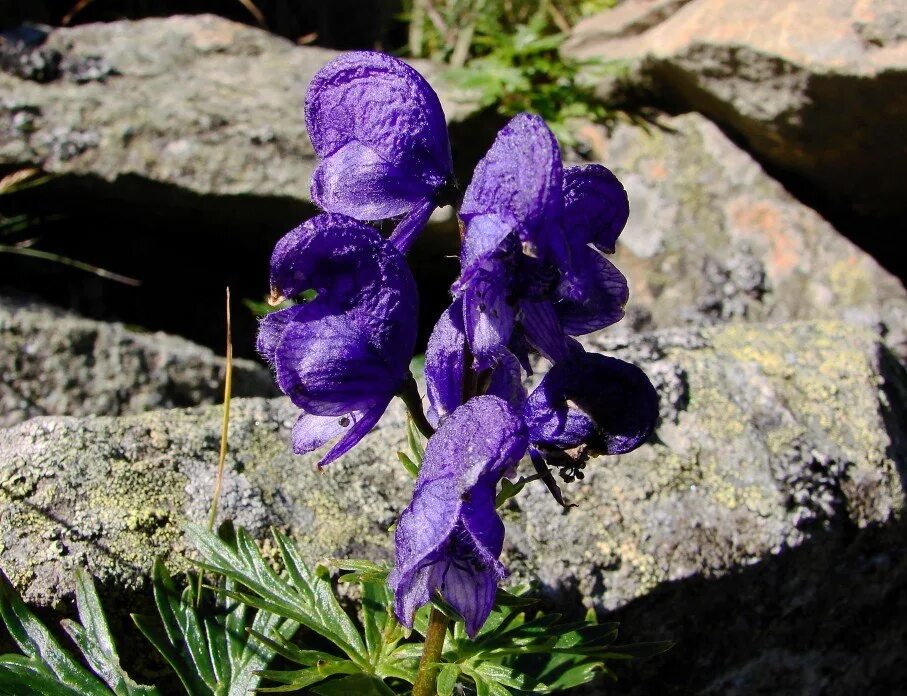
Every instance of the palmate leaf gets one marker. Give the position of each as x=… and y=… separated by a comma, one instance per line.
x=299, y=594
x=516, y=652
x=211, y=649
x=45, y=667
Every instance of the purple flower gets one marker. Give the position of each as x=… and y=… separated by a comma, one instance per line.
x=531, y=264
x=589, y=400
x=450, y=537
x=445, y=362
x=378, y=128
x=342, y=356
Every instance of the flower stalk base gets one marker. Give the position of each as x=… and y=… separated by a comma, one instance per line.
x=431, y=655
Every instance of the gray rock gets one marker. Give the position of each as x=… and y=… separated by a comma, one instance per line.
x=202, y=105
x=777, y=444
x=712, y=238
x=818, y=88
x=56, y=363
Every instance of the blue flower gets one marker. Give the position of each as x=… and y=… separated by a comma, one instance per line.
x=589, y=400
x=532, y=263
x=342, y=356
x=378, y=128
x=449, y=538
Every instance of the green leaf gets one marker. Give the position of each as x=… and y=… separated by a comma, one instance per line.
x=361, y=685
x=20, y=675
x=160, y=640
x=361, y=571
x=322, y=597
x=292, y=680
x=37, y=642
x=415, y=441
x=447, y=679
x=411, y=467
x=93, y=638
x=301, y=595
x=211, y=650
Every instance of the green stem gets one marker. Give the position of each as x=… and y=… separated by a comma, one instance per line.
x=413, y=400
x=431, y=655
x=66, y=261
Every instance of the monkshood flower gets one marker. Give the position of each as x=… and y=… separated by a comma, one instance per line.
x=342, y=356
x=449, y=538
x=532, y=264
x=379, y=131
x=590, y=404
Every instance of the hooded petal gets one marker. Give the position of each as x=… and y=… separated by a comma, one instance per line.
x=592, y=399
x=596, y=207
x=355, y=181
x=520, y=180
x=351, y=267
x=449, y=537
x=385, y=105
x=332, y=254
x=271, y=327
x=329, y=367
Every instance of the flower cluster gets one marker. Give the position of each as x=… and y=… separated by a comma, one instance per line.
x=534, y=275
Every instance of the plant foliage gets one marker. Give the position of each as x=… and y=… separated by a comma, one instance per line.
x=260, y=629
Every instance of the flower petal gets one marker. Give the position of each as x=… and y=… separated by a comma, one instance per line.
x=355, y=181
x=333, y=254
x=520, y=180
x=507, y=381
x=544, y=331
x=409, y=227
x=384, y=104
x=592, y=399
x=311, y=432
x=450, y=522
x=471, y=592
x=596, y=207
x=271, y=327
x=444, y=363
x=329, y=367
x=352, y=268
x=488, y=317
x=606, y=294
x=487, y=237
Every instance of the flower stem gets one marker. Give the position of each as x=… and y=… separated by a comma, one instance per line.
x=413, y=400
x=431, y=655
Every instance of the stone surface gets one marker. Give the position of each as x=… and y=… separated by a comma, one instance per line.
x=711, y=238
x=776, y=444
x=817, y=87
x=199, y=103
x=56, y=363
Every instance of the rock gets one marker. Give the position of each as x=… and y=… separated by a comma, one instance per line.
x=56, y=363
x=712, y=238
x=197, y=105
x=111, y=494
x=776, y=444
x=629, y=18
x=816, y=88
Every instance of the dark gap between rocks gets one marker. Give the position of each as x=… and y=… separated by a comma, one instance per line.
x=342, y=24
x=184, y=248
